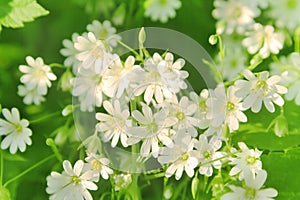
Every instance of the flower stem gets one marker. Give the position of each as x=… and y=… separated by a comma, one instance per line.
x=129, y=48
x=45, y=117
x=58, y=65
x=28, y=170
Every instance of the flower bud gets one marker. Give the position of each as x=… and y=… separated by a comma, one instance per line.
x=142, y=36
x=65, y=81
x=281, y=126
x=213, y=39
x=67, y=110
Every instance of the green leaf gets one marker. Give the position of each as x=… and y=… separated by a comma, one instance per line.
x=13, y=13
x=283, y=173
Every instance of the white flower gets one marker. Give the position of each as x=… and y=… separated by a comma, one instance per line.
x=15, y=130
x=105, y=32
x=225, y=108
x=252, y=189
x=72, y=183
x=70, y=52
x=114, y=124
x=99, y=165
x=30, y=96
x=92, y=53
x=234, y=59
x=247, y=161
x=234, y=15
x=37, y=75
x=161, y=9
x=184, y=111
x=258, y=89
x=289, y=69
x=285, y=13
x=207, y=152
x=161, y=78
x=264, y=40
x=122, y=181
x=175, y=80
x=117, y=78
x=88, y=86
x=201, y=113
x=151, y=130
x=182, y=157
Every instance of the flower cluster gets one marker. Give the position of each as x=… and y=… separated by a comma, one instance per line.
x=36, y=79
x=140, y=101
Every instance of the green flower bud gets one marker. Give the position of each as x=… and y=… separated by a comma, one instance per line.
x=65, y=81
x=281, y=126
x=213, y=39
x=142, y=36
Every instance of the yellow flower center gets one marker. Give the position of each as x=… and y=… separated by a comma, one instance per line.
x=18, y=128
x=207, y=155
x=76, y=180
x=185, y=156
x=153, y=127
x=250, y=193
x=230, y=106
x=39, y=74
x=202, y=106
x=103, y=34
x=251, y=160
x=180, y=116
x=262, y=84
x=96, y=165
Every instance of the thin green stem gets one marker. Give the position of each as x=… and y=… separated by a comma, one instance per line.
x=28, y=170
x=129, y=48
x=154, y=176
x=45, y=117
x=58, y=65
x=212, y=161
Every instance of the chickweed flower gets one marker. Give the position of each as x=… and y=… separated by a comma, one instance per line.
x=225, y=108
x=72, y=183
x=104, y=31
x=252, y=189
x=247, y=161
x=113, y=126
x=161, y=9
x=285, y=13
x=264, y=40
x=234, y=15
x=37, y=75
x=260, y=88
x=15, y=130
x=181, y=157
x=289, y=70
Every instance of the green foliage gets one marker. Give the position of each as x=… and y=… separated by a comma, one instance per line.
x=283, y=173
x=13, y=13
